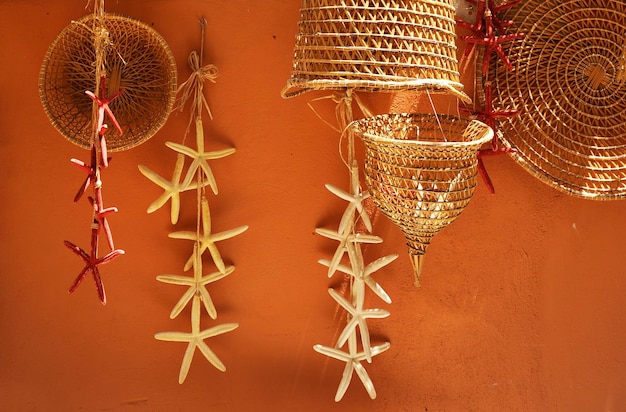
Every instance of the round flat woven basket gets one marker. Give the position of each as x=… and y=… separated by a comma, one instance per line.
x=569, y=85
x=421, y=171
x=376, y=45
x=137, y=60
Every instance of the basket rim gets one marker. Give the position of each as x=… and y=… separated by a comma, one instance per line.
x=487, y=137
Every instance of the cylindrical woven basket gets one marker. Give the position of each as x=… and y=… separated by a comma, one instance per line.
x=137, y=60
x=569, y=85
x=421, y=171
x=376, y=45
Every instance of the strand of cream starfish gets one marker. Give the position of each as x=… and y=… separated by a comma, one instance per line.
x=203, y=238
x=350, y=242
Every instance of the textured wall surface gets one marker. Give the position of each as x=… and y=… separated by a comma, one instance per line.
x=520, y=308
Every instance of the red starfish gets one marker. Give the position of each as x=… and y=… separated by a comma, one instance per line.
x=492, y=42
x=92, y=262
x=92, y=176
x=477, y=28
x=103, y=106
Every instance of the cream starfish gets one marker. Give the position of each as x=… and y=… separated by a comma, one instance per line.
x=195, y=339
x=355, y=199
x=358, y=317
x=353, y=359
x=358, y=271
x=200, y=157
x=197, y=285
x=344, y=240
x=172, y=189
x=207, y=239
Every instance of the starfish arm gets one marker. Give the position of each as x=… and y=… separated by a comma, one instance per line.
x=99, y=285
x=78, y=280
x=208, y=173
x=218, y=154
x=174, y=336
x=84, y=255
x=227, y=234
x=217, y=330
x=332, y=353
x=155, y=178
x=182, y=302
x=376, y=350
x=365, y=238
x=110, y=256
x=482, y=171
x=83, y=188
x=175, y=208
x=346, y=378
x=108, y=111
x=346, y=224
x=104, y=158
x=216, y=256
x=176, y=280
x=336, y=259
x=377, y=289
x=327, y=233
x=379, y=263
x=365, y=379
x=339, y=193
x=208, y=303
x=342, y=301
x=340, y=267
x=186, y=363
x=211, y=356
x=347, y=331
x=159, y=202
x=107, y=231
x=185, y=234
x=180, y=148
x=365, y=217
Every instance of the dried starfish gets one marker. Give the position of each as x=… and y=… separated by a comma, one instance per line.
x=355, y=199
x=358, y=317
x=207, y=239
x=200, y=157
x=90, y=169
x=92, y=262
x=195, y=339
x=197, y=285
x=344, y=239
x=358, y=270
x=353, y=360
x=492, y=42
x=171, y=189
x=103, y=105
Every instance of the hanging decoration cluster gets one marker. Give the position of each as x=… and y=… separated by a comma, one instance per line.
x=490, y=33
x=351, y=46
x=198, y=177
x=99, y=65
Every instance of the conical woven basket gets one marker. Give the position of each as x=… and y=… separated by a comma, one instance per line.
x=421, y=171
x=376, y=45
x=569, y=85
x=137, y=60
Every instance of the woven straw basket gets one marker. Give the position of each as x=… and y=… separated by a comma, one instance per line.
x=569, y=85
x=376, y=45
x=421, y=171
x=138, y=60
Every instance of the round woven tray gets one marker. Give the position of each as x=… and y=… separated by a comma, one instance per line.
x=138, y=60
x=569, y=85
x=421, y=170
x=376, y=45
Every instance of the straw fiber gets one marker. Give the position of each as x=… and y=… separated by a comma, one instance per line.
x=137, y=60
x=376, y=45
x=421, y=170
x=568, y=84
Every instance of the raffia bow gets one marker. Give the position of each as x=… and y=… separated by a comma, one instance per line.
x=192, y=88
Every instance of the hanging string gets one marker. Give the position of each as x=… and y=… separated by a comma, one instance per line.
x=193, y=86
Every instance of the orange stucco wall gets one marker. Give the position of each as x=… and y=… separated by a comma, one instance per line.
x=522, y=300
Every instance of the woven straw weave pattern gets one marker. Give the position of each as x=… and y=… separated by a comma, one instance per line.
x=138, y=60
x=376, y=45
x=569, y=84
x=421, y=169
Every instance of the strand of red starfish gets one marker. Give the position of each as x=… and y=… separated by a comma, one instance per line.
x=98, y=162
